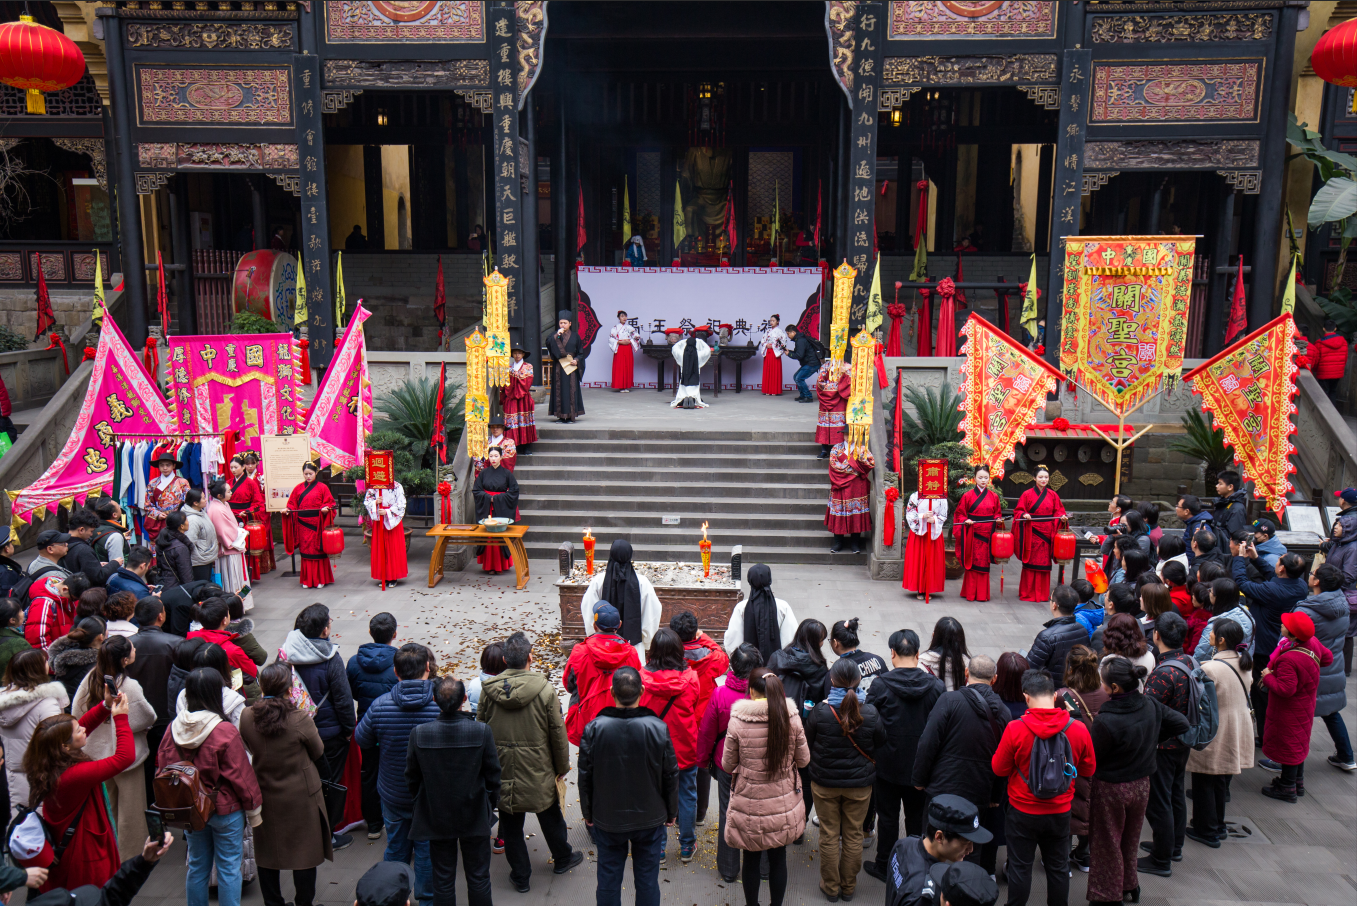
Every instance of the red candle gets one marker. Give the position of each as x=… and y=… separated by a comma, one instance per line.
x=588, y=553
x=705, y=547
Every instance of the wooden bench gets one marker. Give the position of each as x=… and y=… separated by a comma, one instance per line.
x=477, y=534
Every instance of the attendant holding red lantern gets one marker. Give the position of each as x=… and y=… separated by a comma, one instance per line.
x=973, y=530
x=266, y=562
x=247, y=503
x=311, y=509
x=1035, y=519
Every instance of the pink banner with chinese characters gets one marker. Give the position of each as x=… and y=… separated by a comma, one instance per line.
x=247, y=382
x=121, y=401
x=341, y=414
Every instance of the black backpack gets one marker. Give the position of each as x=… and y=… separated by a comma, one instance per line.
x=1050, y=768
x=22, y=587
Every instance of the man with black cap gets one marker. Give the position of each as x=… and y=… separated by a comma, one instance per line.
x=962, y=884
x=1270, y=550
x=384, y=884
x=567, y=352
x=52, y=546
x=953, y=830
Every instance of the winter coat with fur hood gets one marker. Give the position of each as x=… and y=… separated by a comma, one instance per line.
x=21, y=710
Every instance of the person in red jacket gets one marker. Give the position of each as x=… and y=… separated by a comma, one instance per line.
x=215, y=616
x=705, y=655
x=670, y=688
x=1292, y=681
x=1327, y=357
x=589, y=670
x=67, y=786
x=1034, y=821
x=51, y=611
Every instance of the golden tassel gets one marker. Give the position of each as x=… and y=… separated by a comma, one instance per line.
x=36, y=102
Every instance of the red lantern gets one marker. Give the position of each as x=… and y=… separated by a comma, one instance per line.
x=255, y=539
x=1064, y=545
x=36, y=58
x=1001, y=543
x=332, y=541
x=1335, y=55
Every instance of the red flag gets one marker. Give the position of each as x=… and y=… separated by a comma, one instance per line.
x=730, y=216
x=440, y=303
x=440, y=438
x=1238, y=322
x=47, y=319
x=580, y=236
x=162, y=298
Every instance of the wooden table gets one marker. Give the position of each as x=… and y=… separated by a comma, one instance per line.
x=476, y=534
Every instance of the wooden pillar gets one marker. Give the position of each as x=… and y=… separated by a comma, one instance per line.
x=1269, y=216
x=1075, y=74
x=125, y=183
x=1041, y=233
x=183, y=279
x=261, y=225
x=529, y=322
x=315, y=239
x=562, y=228
x=509, y=224
x=373, y=198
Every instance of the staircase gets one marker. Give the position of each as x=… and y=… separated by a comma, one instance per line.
x=763, y=490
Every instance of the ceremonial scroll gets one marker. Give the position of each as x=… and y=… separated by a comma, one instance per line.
x=859, y=417
x=1125, y=320
x=1250, y=388
x=844, y=276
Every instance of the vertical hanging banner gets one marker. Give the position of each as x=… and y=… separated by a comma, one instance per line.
x=844, y=277
x=341, y=414
x=1125, y=317
x=859, y=415
x=1002, y=387
x=1068, y=186
x=506, y=236
x=477, y=400
x=1250, y=388
x=856, y=33
x=315, y=237
x=496, y=318
x=248, y=382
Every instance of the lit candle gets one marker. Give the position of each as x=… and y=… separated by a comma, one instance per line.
x=588, y=553
x=705, y=547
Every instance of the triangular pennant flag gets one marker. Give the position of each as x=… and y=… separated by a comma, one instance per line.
x=121, y=400
x=1029, y=303
x=680, y=221
x=1250, y=388
x=919, y=273
x=875, y=310
x=341, y=414
x=100, y=307
x=47, y=319
x=340, y=301
x=1289, y=294
x=299, y=313
x=1238, y=320
x=1002, y=385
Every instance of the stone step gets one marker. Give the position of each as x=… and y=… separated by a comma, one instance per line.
x=625, y=504
x=582, y=432
x=761, y=523
x=744, y=486
x=678, y=535
x=803, y=446
x=543, y=547
x=583, y=478
x=597, y=459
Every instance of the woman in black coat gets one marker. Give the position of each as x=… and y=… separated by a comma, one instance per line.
x=174, y=552
x=1126, y=733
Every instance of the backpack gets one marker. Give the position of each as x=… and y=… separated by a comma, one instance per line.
x=1050, y=769
x=181, y=797
x=24, y=585
x=298, y=694
x=1203, y=712
x=22, y=818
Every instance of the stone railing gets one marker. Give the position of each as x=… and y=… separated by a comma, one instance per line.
x=33, y=376
x=1325, y=461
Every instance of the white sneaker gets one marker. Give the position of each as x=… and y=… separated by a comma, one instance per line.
x=815, y=819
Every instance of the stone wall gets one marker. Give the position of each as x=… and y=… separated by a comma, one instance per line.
x=398, y=288
x=19, y=309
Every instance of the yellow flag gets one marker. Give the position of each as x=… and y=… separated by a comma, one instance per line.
x=875, y=310
x=1029, y=303
x=1289, y=296
x=680, y=222
x=299, y=305
x=340, y=301
x=100, y=308
x=627, y=231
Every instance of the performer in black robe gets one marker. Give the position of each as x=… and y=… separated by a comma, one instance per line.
x=567, y=403
x=496, y=494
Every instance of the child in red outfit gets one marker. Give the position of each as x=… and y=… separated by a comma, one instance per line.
x=1292, y=681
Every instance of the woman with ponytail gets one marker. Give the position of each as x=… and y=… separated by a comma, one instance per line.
x=765, y=747
x=844, y=736
x=1231, y=751
x=295, y=833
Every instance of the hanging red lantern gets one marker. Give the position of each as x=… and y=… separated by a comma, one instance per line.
x=36, y=58
x=332, y=541
x=1001, y=543
x=1064, y=545
x=256, y=542
x=1335, y=55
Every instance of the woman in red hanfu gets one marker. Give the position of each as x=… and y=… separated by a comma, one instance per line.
x=386, y=510
x=625, y=341
x=1035, y=524
x=165, y=492
x=519, y=421
x=848, y=515
x=266, y=561
x=311, y=508
x=972, y=527
x=247, y=503
x=773, y=344
x=833, y=385
x=925, y=551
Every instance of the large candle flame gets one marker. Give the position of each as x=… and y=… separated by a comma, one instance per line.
x=704, y=531
x=587, y=535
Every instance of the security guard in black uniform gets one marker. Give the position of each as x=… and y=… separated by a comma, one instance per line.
x=952, y=830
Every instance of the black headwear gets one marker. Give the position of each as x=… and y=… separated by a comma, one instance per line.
x=564, y=315
x=622, y=589
x=760, y=612
x=689, y=376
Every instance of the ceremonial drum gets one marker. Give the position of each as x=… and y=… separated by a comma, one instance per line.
x=265, y=284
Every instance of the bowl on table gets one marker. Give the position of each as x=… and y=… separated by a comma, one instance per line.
x=496, y=523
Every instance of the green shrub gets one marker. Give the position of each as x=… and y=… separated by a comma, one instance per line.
x=11, y=341
x=249, y=322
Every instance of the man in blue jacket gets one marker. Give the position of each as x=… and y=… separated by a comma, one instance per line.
x=1267, y=602
x=387, y=725
x=372, y=674
x=807, y=353
x=132, y=576
x=1189, y=509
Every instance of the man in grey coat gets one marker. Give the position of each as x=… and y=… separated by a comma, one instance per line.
x=201, y=533
x=1328, y=608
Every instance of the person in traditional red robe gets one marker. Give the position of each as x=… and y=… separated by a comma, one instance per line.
x=508, y=450
x=972, y=527
x=496, y=494
x=520, y=422
x=386, y=510
x=925, y=550
x=848, y=515
x=164, y=493
x=266, y=561
x=833, y=385
x=247, y=503
x=311, y=507
x=625, y=341
x=1035, y=519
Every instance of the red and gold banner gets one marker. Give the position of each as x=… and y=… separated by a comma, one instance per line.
x=1250, y=388
x=1003, y=386
x=1125, y=318
x=933, y=479
x=859, y=415
x=380, y=469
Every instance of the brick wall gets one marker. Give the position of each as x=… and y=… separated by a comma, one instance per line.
x=399, y=291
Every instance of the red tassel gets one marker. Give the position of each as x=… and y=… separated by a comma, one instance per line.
x=306, y=362
x=888, y=532
x=89, y=354
x=152, y=359
x=445, y=507
x=53, y=341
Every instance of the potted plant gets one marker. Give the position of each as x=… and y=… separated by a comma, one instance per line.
x=1204, y=441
